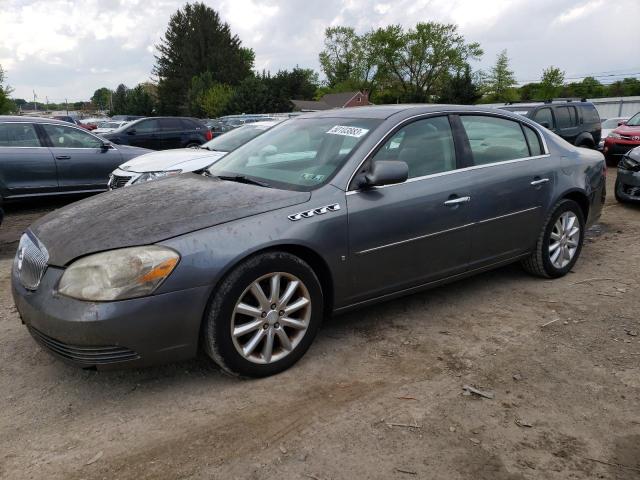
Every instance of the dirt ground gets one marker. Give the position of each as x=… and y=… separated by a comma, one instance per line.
x=378, y=396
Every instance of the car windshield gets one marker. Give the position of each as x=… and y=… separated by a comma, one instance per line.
x=109, y=125
x=634, y=121
x=298, y=155
x=235, y=138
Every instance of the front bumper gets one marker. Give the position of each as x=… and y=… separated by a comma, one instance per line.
x=133, y=333
x=615, y=149
x=628, y=185
x=121, y=178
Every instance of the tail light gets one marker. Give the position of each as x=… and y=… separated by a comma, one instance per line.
x=208, y=135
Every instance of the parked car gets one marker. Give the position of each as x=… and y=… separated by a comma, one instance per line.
x=627, y=189
x=577, y=122
x=126, y=118
x=155, y=165
x=161, y=133
x=68, y=119
x=622, y=139
x=40, y=156
x=110, y=126
x=322, y=214
x=608, y=126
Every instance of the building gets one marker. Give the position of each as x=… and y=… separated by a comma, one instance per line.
x=333, y=100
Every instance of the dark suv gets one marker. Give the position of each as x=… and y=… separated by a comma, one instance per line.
x=161, y=133
x=577, y=122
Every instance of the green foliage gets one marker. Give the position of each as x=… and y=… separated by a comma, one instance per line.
x=200, y=84
x=551, y=83
x=101, y=98
x=216, y=99
x=461, y=88
x=140, y=101
x=119, y=101
x=6, y=104
x=197, y=41
x=500, y=83
x=251, y=96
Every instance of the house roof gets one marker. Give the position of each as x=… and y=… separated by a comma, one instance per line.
x=310, y=105
x=338, y=100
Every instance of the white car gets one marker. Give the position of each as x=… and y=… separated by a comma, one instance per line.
x=106, y=127
x=154, y=165
x=608, y=126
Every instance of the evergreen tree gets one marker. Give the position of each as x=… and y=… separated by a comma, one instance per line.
x=501, y=81
x=197, y=41
x=460, y=88
x=119, y=106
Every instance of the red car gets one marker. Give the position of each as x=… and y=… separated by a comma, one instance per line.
x=622, y=139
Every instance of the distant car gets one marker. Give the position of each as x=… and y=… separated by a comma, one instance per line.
x=628, y=180
x=622, y=139
x=577, y=122
x=41, y=156
x=608, y=126
x=68, y=119
x=161, y=133
x=156, y=165
x=110, y=126
x=127, y=118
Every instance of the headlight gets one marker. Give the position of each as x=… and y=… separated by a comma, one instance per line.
x=629, y=164
x=145, y=177
x=614, y=135
x=118, y=274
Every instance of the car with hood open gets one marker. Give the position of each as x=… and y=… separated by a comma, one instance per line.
x=155, y=165
x=320, y=215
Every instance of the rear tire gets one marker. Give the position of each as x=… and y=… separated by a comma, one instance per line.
x=559, y=245
x=193, y=145
x=258, y=326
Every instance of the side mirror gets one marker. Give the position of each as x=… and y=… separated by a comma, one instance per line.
x=545, y=124
x=622, y=122
x=386, y=172
x=106, y=146
x=131, y=131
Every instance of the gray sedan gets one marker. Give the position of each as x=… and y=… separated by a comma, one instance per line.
x=42, y=156
x=320, y=215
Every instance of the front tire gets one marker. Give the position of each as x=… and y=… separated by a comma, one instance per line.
x=616, y=189
x=264, y=315
x=560, y=242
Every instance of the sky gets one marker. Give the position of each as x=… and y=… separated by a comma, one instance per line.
x=66, y=49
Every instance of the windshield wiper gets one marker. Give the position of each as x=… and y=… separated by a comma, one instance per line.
x=243, y=179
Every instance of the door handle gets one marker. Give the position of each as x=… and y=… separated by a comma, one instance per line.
x=540, y=181
x=457, y=201
x=63, y=157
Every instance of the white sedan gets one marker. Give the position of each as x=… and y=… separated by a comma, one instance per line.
x=154, y=165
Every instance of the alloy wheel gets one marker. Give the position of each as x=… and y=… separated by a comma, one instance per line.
x=564, y=239
x=271, y=318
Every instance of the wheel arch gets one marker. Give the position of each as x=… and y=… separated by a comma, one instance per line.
x=585, y=138
x=581, y=199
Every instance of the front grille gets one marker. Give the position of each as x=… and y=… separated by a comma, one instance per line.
x=31, y=261
x=88, y=355
x=118, y=181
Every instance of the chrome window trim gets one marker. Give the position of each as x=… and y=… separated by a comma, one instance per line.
x=450, y=172
x=391, y=131
x=466, y=225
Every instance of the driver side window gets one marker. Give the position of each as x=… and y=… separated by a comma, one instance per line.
x=68, y=137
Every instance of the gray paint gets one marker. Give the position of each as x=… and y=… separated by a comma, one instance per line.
x=381, y=243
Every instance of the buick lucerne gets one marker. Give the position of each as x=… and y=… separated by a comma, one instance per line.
x=322, y=214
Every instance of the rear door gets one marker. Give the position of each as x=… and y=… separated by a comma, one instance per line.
x=511, y=190
x=82, y=162
x=411, y=233
x=27, y=166
x=544, y=116
x=567, y=123
x=171, y=132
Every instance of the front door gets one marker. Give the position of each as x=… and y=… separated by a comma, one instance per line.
x=411, y=233
x=82, y=162
x=145, y=134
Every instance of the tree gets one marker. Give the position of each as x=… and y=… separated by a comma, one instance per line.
x=501, y=81
x=551, y=82
x=139, y=101
x=119, y=102
x=197, y=41
x=251, y=96
x=102, y=98
x=6, y=104
x=460, y=88
x=216, y=99
x=200, y=84
x=297, y=84
x=419, y=59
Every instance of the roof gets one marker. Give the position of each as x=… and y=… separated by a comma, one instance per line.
x=338, y=100
x=386, y=111
x=538, y=104
x=310, y=105
x=18, y=118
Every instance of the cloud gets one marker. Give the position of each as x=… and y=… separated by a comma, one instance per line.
x=69, y=48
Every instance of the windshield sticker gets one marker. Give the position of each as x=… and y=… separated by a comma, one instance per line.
x=355, y=132
x=312, y=177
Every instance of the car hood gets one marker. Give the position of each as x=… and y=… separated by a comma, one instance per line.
x=185, y=159
x=627, y=130
x=152, y=212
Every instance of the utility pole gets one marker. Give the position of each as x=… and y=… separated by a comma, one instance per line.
x=35, y=105
x=47, y=104
x=66, y=106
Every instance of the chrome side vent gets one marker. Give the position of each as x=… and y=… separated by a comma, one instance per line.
x=31, y=261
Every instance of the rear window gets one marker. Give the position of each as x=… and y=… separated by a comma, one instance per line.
x=590, y=114
x=18, y=135
x=494, y=139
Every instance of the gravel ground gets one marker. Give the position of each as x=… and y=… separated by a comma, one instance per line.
x=378, y=396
